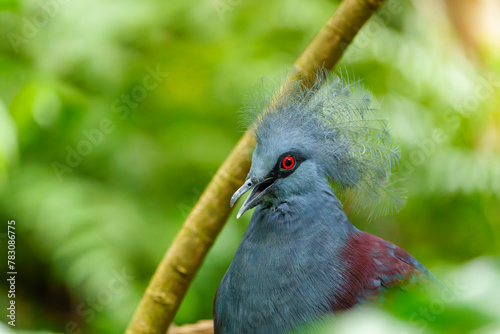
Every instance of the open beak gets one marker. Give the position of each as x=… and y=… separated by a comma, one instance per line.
x=254, y=198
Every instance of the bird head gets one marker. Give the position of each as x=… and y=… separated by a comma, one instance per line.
x=280, y=169
x=311, y=135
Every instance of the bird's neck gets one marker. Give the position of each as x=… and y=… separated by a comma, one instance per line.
x=297, y=216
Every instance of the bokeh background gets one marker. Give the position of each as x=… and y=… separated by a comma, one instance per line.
x=114, y=115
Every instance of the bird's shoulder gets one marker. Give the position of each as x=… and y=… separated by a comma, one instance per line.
x=372, y=264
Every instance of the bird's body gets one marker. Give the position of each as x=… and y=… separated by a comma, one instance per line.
x=311, y=262
x=300, y=258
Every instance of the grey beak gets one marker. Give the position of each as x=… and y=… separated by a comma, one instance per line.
x=243, y=189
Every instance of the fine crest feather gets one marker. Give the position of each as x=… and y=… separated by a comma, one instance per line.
x=345, y=134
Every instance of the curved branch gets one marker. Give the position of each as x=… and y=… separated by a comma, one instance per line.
x=181, y=262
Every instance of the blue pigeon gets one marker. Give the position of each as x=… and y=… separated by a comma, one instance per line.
x=301, y=259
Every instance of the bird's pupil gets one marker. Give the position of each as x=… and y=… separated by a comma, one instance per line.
x=288, y=162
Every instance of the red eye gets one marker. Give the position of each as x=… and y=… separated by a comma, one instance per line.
x=288, y=162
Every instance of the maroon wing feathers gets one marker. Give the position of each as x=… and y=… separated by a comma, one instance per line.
x=372, y=263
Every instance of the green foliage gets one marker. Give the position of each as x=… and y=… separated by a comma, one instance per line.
x=115, y=115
